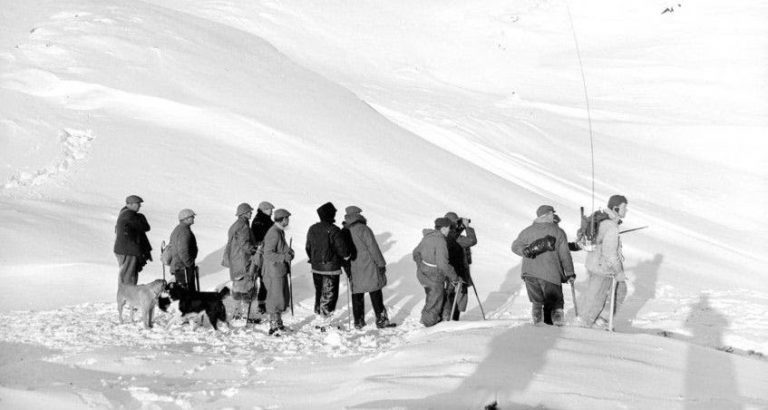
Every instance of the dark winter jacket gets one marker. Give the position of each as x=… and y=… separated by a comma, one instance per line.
x=261, y=224
x=326, y=246
x=552, y=266
x=240, y=249
x=431, y=257
x=131, y=234
x=184, y=245
x=458, y=251
x=366, y=275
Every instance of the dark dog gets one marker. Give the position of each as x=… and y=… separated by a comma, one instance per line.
x=192, y=304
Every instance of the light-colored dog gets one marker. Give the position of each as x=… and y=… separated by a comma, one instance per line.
x=142, y=297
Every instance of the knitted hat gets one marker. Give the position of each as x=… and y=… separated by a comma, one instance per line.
x=616, y=200
x=265, y=206
x=326, y=212
x=442, y=223
x=351, y=210
x=281, y=213
x=133, y=199
x=544, y=209
x=452, y=216
x=243, y=209
x=186, y=213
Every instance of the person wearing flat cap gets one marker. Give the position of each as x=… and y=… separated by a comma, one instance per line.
x=238, y=257
x=132, y=247
x=277, y=266
x=261, y=224
x=184, y=250
x=433, y=269
x=547, y=264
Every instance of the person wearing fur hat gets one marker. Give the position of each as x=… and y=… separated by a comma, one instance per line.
x=547, y=264
x=261, y=224
x=433, y=269
x=184, y=250
x=238, y=256
x=604, y=263
x=277, y=261
x=132, y=247
x=460, y=239
x=326, y=249
x=367, y=269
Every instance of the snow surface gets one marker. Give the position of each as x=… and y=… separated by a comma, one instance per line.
x=408, y=110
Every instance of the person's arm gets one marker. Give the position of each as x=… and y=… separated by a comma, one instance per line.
x=566, y=261
x=443, y=264
x=369, y=241
x=339, y=243
x=610, y=247
x=184, y=250
x=519, y=244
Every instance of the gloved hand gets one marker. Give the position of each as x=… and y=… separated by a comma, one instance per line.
x=382, y=270
x=539, y=246
x=570, y=279
x=290, y=255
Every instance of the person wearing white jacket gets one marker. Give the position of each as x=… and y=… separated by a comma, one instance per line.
x=604, y=263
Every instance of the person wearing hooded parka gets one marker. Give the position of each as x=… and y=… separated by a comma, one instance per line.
x=327, y=249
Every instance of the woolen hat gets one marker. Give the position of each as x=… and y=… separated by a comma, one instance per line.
x=351, y=210
x=186, y=213
x=133, y=199
x=616, y=200
x=281, y=213
x=544, y=209
x=243, y=209
x=265, y=206
x=453, y=216
x=326, y=212
x=442, y=223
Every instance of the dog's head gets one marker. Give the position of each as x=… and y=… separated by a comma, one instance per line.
x=157, y=286
x=174, y=290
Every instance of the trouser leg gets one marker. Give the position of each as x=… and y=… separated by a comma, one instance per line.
x=598, y=291
x=128, y=269
x=450, y=295
x=358, y=309
x=620, y=295
x=553, y=300
x=191, y=278
x=536, y=296
x=377, y=300
x=329, y=294
x=317, y=279
x=262, y=298
x=432, y=313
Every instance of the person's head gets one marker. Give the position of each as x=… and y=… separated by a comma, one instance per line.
x=133, y=202
x=327, y=212
x=443, y=225
x=353, y=210
x=618, y=204
x=187, y=216
x=282, y=218
x=244, y=210
x=266, y=208
x=545, y=213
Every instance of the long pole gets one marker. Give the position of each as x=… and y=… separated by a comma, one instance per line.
x=613, y=303
x=474, y=288
x=349, y=302
x=162, y=249
x=573, y=295
x=290, y=282
x=456, y=290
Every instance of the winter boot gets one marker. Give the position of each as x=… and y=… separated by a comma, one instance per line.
x=558, y=317
x=262, y=308
x=382, y=321
x=537, y=314
x=359, y=324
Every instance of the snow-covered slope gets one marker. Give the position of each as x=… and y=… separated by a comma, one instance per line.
x=408, y=111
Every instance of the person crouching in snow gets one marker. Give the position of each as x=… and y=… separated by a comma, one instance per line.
x=605, y=262
x=277, y=261
x=547, y=264
x=432, y=270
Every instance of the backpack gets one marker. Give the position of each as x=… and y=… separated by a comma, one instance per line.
x=590, y=226
x=167, y=255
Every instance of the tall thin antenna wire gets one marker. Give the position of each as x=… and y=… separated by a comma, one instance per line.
x=586, y=98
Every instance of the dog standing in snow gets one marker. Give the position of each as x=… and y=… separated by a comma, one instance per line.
x=190, y=306
x=141, y=297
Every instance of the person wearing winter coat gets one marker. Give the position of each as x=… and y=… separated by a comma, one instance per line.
x=277, y=261
x=604, y=263
x=261, y=224
x=327, y=250
x=184, y=246
x=460, y=239
x=367, y=269
x=545, y=267
x=434, y=270
x=238, y=257
x=132, y=248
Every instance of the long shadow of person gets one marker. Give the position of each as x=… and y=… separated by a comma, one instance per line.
x=498, y=302
x=211, y=263
x=646, y=276
x=709, y=383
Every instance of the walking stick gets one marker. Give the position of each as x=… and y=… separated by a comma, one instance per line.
x=474, y=287
x=613, y=302
x=573, y=295
x=162, y=249
x=349, y=302
x=197, y=278
x=290, y=282
x=456, y=289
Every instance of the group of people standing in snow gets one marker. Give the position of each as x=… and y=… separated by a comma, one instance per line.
x=258, y=251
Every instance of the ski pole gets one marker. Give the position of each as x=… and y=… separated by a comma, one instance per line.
x=349, y=302
x=162, y=249
x=197, y=278
x=573, y=295
x=474, y=287
x=632, y=230
x=613, y=303
x=290, y=282
x=456, y=289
